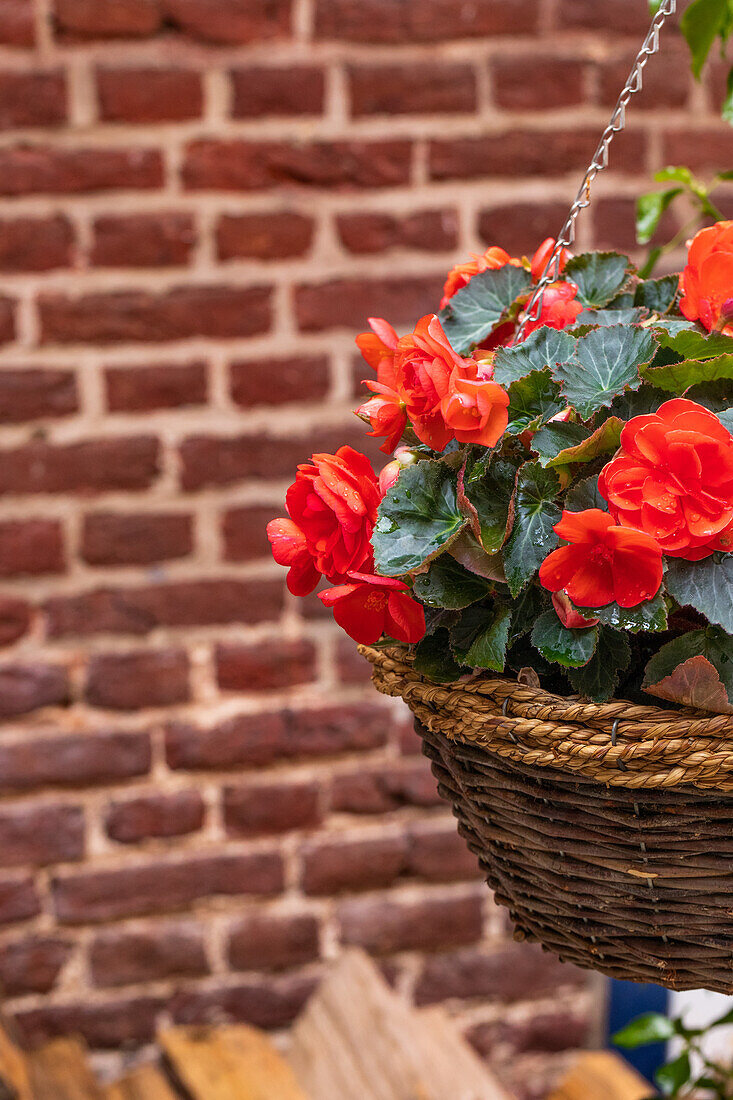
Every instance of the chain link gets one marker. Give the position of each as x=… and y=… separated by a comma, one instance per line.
x=600, y=161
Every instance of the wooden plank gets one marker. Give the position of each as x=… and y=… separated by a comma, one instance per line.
x=357, y=1040
x=602, y=1075
x=14, y=1080
x=60, y=1071
x=224, y=1063
x=143, y=1083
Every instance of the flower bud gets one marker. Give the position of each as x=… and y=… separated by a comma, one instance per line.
x=389, y=475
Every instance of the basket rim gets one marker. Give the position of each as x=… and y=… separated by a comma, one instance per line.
x=619, y=743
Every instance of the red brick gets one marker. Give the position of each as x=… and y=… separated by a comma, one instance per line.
x=256, y=740
x=17, y=23
x=95, y=465
x=256, y=166
x=18, y=900
x=24, y=688
x=138, y=315
x=702, y=149
x=32, y=393
x=625, y=17
x=267, y=666
x=155, y=815
x=262, y=808
x=107, y=18
x=614, y=224
x=302, y=378
x=177, y=604
x=46, y=169
x=135, y=538
x=142, y=240
x=351, y=666
x=158, y=886
x=385, y=788
x=113, y=1025
x=272, y=941
x=420, y=20
x=521, y=227
x=168, y=949
x=158, y=386
x=412, y=88
x=32, y=99
x=382, y=925
x=263, y=236
x=548, y=1032
x=243, y=532
x=534, y=83
x=512, y=972
x=426, y=230
x=331, y=866
x=149, y=95
x=42, y=834
x=224, y=22
x=213, y=460
x=144, y=678
x=31, y=546
x=7, y=320
x=512, y=153
x=266, y=90
x=438, y=854
x=32, y=965
x=268, y=1003
x=15, y=619
x=658, y=90
x=74, y=760
x=345, y=303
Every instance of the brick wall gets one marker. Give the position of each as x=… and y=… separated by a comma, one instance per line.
x=200, y=203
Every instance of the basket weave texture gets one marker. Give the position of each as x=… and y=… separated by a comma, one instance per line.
x=606, y=830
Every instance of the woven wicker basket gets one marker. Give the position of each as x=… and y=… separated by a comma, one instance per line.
x=606, y=830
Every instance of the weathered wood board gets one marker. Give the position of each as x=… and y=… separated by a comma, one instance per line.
x=143, y=1083
x=602, y=1075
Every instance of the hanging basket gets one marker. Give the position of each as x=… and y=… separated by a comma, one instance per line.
x=606, y=830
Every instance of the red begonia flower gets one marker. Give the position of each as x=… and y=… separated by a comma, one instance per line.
x=542, y=255
x=559, y=308
x=371, y=606
x=706, y=283
x=378, y=348
x=461, y=274
x=475, y=407
x=289, y=547
x=386, y=415
x=673, y=479
x=569, y=616
x=424, y=362
x=603, y=563
x=334, y=501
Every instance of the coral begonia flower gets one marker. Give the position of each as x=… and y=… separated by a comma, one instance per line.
x=371, y=606
x=424, y=362
x=334, y=501
x=673, y=479
x=706, y=283
x=603, y=563
x=386, y=415
x=559, y=308
x=461, y=275
x=542, y=255
x=475, y=407
x=378, y=348
x=569, y=616
x=289, y=547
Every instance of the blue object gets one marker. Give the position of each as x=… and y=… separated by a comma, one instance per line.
x=627, y=1000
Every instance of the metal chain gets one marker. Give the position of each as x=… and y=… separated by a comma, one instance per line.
x=600, y=161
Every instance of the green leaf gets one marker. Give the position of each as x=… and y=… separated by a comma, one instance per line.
x=681, y=670
x=651, y=615
x=727, y=107
x=533, y=401
x=706, y=585
x=418, y=517
x=491, y=497
x=434, y=659
x=675, y=172
x=701, y=23
x=527, y=608
x=447, y=584
x=652, y=1027
x=584, y=495
x=543, y=348
x=571, y=648
x=674, y=1074
x=535, y=514
x=689, y=344
x=725, y=416
x=649, y=210
x=481, y=636
x=599, y=276
x=599, y=678
x=557, y=436
x=590, y=318
x=657, y=295
x=607, y=362
x=476, y=309
x=639, y=402
x=604, y=440
x=678, y=377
